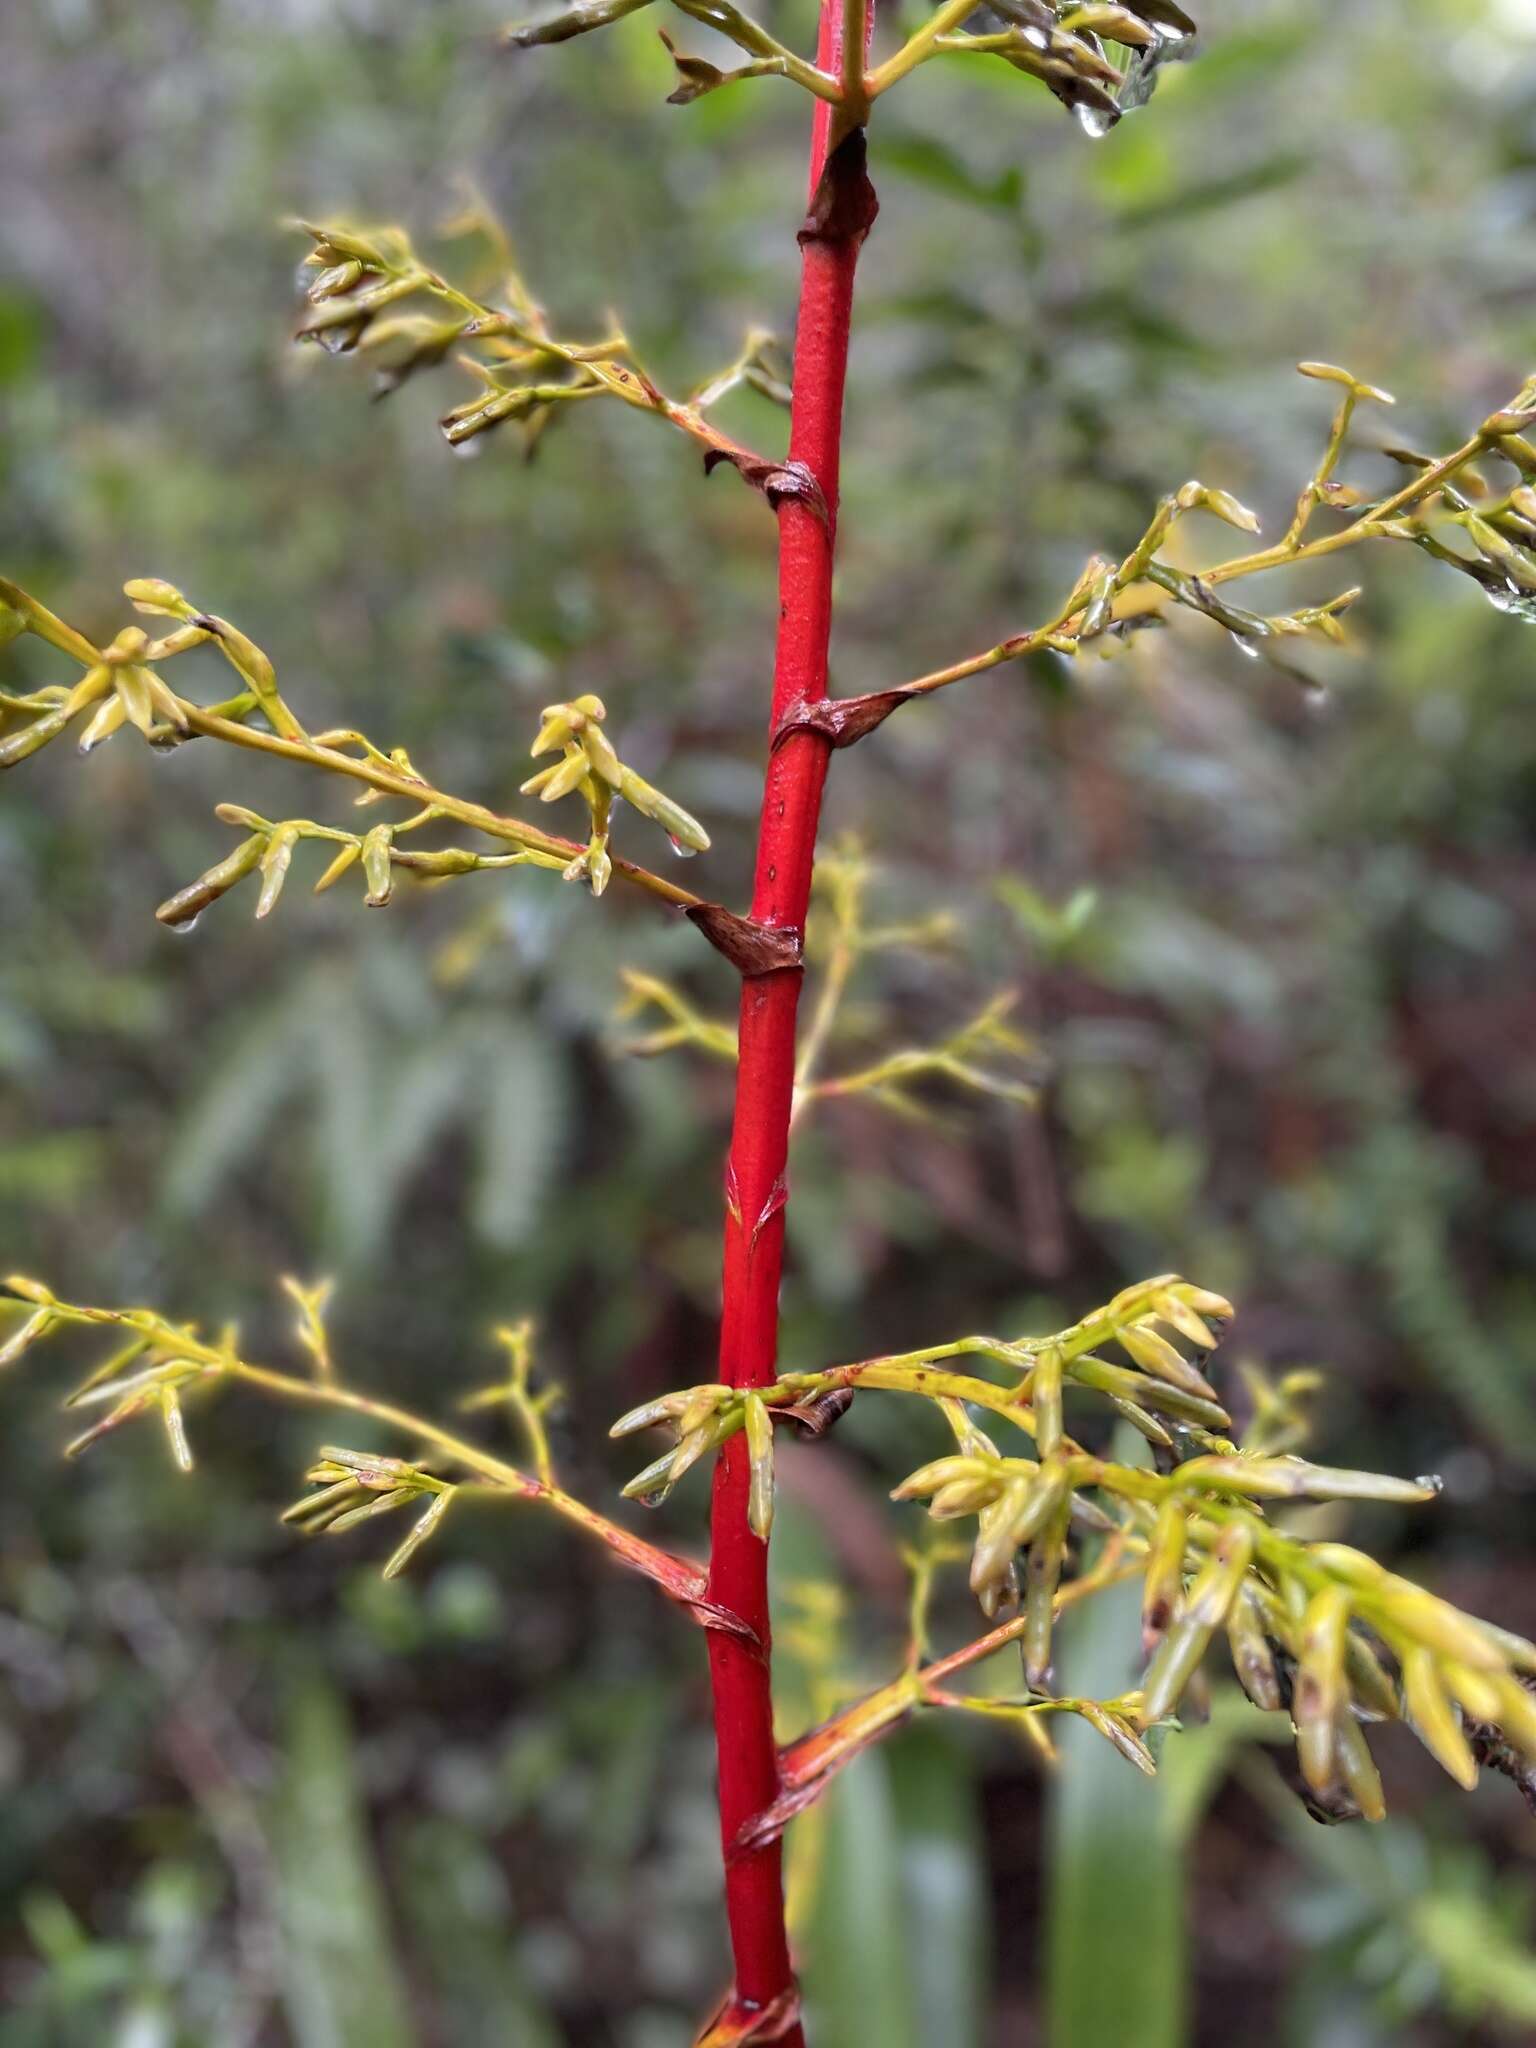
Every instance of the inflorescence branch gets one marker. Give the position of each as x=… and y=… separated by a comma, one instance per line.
x=1447, y=498
x=1318, y=1629
x=977, y=1057
x=156, y=1365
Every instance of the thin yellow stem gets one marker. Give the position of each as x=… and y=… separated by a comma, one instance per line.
x=395, y=782
x=917, y=47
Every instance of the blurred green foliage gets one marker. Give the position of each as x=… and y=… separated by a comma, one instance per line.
x=1291, y=1039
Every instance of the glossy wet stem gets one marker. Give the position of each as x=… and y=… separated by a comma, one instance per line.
x=756, y=1189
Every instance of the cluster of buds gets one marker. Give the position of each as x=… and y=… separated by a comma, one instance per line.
x=350, y=277
x=590, y=767
x=270, y=845
x=1063, y=45
x=121, y=684
x=703, y=1418
x=354, y=1486
x=147, y=1374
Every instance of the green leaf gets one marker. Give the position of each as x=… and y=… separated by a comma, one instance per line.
x=341, y=1986
x=857, y=1975
x=928, y=161
x=1115, y=1939
x=943, y=1884
x=524, y=1115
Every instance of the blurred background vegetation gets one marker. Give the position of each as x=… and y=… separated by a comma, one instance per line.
x=249, y=1794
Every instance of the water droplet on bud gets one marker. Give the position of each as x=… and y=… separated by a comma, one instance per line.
x=468, y=450
x=1431, y=1482
x=1513, y=601
x=1095, y=122
x=187, y=924
x=1244, y=646
x=683, y=852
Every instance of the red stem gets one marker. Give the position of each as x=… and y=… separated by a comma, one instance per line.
x=756, y=1188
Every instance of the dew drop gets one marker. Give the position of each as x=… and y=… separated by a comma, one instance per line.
x=1038, y=37
x=1514, y=602
x=1167, y=33
x=1431, y=1482
x=1244, y=646
x=186, y=924
x=466, y=451
x=334, y=340
x=1095, y=122
x=683, y=852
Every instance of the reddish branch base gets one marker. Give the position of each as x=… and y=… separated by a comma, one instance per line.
x=842, y=209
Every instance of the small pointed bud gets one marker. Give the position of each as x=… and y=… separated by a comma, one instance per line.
x=1513, y=420
x=1330, y=373
x=333, y=242
x=175, y=1428
x=187, y=905
x=554, y=732
x=377, y=867
x=160, y=599
x=680, y=826
x=32, y=738
x=1434, y=1718
x=32, y=1331
x=425, y=1527
x=1252, y=1658
x=347, y=858
x=132, y=688
x=1205, y=1610
x=1318, y=1695
x=569, y=775
x=1357, y=1767
x=575, y=20
x=1045, y=1400
x=599, y=750
x=1163, y=1584
x=108, y=718
x=276, y=857
x=759, y=1433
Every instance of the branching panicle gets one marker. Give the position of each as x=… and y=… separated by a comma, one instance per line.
x=1315, y=1629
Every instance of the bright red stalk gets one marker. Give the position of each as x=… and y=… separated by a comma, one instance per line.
x=756, y=1188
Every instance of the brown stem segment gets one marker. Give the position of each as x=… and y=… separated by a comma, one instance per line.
x=841, y=211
